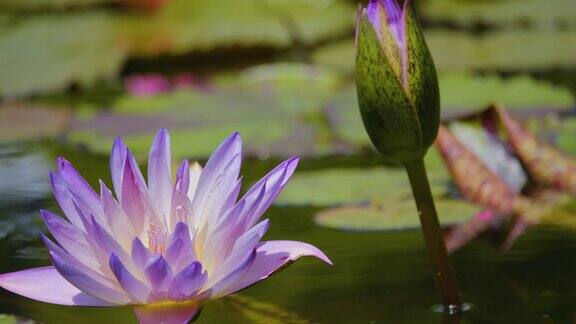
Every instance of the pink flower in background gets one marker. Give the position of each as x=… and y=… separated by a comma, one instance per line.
x=164, y=246
x=144, y=85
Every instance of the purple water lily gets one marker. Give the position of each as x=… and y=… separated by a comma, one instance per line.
x=165, y=246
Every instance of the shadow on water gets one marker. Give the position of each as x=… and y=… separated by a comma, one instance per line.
x=378, y=277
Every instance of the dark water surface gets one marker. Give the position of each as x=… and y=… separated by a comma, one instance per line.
x=381, y=277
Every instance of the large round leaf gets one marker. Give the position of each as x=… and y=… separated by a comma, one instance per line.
x=49, y=53
x=397, y=215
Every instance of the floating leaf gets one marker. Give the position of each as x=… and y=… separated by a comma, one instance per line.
x=8, y=319
x=465, y=92
x=20, y=123
x=534, y=13
x=184, y=25
x=566, y=135
x=508, y=51
x=268, y=105
x=458, y=51
x=353, y=186
x=396, y=215
x=49, y=53
x=30, y=5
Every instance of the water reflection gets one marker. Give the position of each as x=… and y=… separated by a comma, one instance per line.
x=24, y=175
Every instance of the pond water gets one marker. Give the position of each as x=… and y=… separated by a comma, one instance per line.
x=377, y=277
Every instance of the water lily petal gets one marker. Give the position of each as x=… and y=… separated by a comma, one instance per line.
x=137, y=290
x=117, y=160
x=217, y=180
x=160, y=174
x=140, y=254
x=47, y=285
x=272, y=256
x=251, y=238
x=72, y=239
x=180, y=250
x=116, y=219
x=60, y=190
x=187, y=282
x=228, y=274
x=83, y=278
x=174, y=313
x=132, y=197
x=195, y=173
x=159, y=275
x=181, y=204
x=272, y=184
x=80, y=187
x=105, y=242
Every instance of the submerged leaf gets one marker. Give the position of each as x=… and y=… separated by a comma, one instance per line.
x=544, y=163
x=474, y=180
x=487, y=147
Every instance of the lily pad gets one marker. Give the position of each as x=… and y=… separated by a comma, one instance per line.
x=49, y=53
x=31, y=5
x=533, y=13
x=21, y=123
x=268, y=105
x=400, y=215
x=567, y=136
x=507, y=50
x=355, y=186
x=457, y=51
x=459, y=93
x=184, y=25
x=8, y=319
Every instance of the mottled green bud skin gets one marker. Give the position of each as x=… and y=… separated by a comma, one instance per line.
x=396, y=82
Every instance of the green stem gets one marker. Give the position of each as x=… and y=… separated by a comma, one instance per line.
x=444, y=275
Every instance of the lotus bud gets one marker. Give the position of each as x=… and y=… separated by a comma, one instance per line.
x=396, y=80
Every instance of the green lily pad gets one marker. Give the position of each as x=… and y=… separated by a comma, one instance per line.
x=567, y=135
x=184, y=25
x=509, y=50
x=354, y=186
x=29, y=5
x=268, y=105
x=459, y=93
x=22, y=123
x=398, y=215
x=534, y=13
x=457, y=51
x=8, y=319
x=48, y=53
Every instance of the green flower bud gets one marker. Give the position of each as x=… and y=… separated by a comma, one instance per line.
x=396, y=80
